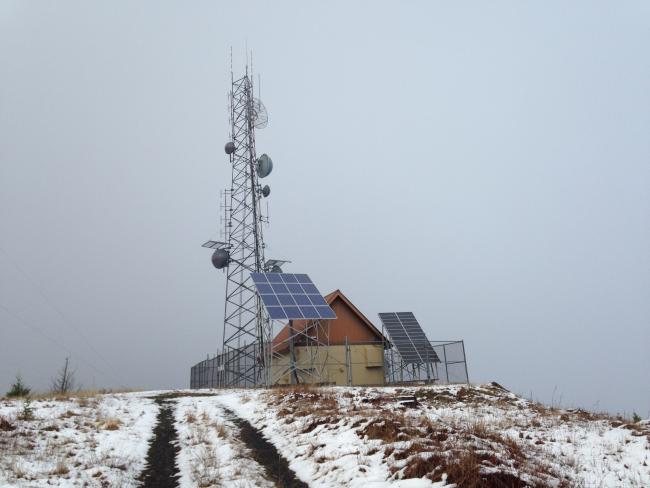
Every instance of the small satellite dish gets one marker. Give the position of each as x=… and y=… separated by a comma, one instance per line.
x=230, y=147
x=260, y=115
x=264, y=166
x=220, y=258
x=275, y=269
x=266, y=191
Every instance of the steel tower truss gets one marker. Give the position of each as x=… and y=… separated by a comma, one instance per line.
x=244, y=329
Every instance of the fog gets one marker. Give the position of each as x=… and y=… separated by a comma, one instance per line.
x=485, y=166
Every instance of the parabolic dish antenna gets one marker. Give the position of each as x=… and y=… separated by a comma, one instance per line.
x=260, y=115
x=264, y=166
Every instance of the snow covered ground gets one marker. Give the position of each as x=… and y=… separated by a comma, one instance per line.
x=211, y=453
x=324, y=451
x=427, y=436
x=90, y=440
x=368, y=437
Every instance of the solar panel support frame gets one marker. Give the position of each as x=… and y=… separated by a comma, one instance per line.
x=302, y=357
x=415, y=360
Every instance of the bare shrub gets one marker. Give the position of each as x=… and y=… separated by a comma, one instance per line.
x=64, y=381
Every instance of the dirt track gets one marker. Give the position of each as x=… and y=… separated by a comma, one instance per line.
x=265, y=453
x=161, y=471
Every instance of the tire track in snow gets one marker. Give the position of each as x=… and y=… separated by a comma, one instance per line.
x=265, y=453
x=161, y=470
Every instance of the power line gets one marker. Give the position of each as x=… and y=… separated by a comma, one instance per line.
x=51, y=339
x=60, y=313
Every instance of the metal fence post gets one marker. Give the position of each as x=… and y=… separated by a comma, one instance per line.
x=444, y=354
x=348, y=366
x=462, y=343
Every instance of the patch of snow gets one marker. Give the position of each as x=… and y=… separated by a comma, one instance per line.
x=76, y=441
x=210, y=451
x=321, y=457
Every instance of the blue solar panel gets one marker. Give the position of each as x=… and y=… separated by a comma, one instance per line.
x=291, y=296
x=276, y=313
x=326, y=312
x=408, y=338
x=317, y=300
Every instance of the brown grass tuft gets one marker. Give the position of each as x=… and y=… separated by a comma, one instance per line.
x=220, y=429
x=60, y=469
x=111, y=424
x=386, y=429
x=5, y=425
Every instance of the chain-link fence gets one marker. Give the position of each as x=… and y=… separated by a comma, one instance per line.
x=352, y=363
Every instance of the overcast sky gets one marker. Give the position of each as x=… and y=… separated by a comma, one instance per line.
x=485, y=165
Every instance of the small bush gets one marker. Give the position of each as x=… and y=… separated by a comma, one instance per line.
x=636, y=418
x=18, y=389
x=27, y=413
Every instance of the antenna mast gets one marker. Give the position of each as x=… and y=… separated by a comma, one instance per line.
x=245, y=328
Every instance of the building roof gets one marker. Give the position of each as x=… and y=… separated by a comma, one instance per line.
x=350, y=323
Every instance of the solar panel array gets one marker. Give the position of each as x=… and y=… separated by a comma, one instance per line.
x=408, y=337
x=291, y=296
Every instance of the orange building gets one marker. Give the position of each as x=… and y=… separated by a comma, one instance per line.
x=348, y=350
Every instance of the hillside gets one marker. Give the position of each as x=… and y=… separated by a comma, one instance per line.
x=425, y=436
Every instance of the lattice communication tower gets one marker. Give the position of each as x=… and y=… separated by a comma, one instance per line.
x=245, y=328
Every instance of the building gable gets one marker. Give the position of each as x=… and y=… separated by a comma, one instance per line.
x=349, y=322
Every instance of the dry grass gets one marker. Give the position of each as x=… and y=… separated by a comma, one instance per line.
x=302, y=401
x=220, y=429
x=190, y=418
x=81, y=395
x=17, y=470
x=472, y=454
x=5, y=425
x=110, y=424
x=60, y=469
x=387, y=429
x=205, y=468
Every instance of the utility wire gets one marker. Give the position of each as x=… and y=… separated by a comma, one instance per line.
x=63, y=317
x=51, y=339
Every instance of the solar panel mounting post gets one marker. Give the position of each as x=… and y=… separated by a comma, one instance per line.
x=292, y=354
